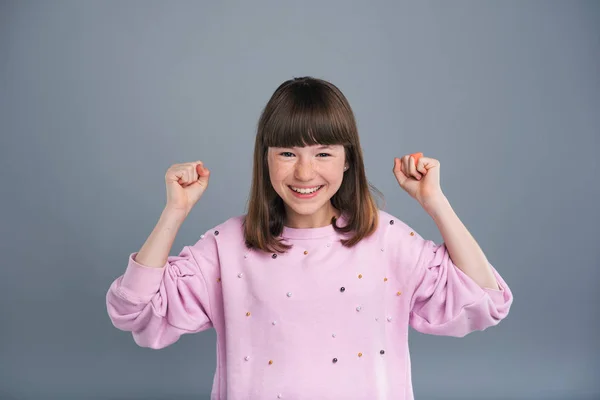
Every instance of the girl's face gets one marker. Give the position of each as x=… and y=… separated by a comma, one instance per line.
x=306, y=178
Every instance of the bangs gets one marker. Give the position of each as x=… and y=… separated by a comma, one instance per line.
x=307, y=115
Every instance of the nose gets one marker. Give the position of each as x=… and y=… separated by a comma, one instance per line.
x=304, y=170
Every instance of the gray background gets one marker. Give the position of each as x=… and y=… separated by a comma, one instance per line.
x=97, y=99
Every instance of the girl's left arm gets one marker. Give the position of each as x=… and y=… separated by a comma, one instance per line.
x=420, y=177
x=462, y=247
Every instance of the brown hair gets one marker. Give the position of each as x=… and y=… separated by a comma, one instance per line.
x=302, y=112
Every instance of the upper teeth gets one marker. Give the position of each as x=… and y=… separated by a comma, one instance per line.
x=305, y=191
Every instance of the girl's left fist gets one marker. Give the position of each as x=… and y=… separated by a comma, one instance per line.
x=421, y=180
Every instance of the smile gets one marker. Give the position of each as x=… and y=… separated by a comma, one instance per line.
x=305, y=192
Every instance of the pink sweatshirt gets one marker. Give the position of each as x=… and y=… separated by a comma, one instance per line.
x=319, y=322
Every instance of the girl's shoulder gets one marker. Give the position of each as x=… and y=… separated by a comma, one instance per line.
x=391, y=225
x=395, y=233
x=229, y=231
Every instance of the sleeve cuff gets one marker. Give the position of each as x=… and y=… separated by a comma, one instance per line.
x=498, y=296
x=140, y=279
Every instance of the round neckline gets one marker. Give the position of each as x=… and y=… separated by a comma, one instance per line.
x=312, y=233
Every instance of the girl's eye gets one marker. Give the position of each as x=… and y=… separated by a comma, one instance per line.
x=290, y=154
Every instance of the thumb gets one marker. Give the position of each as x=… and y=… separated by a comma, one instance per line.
x=199, y=186
x=197, y=189
x=203, y=175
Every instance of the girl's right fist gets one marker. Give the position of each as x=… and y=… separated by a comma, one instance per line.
x=185, y=185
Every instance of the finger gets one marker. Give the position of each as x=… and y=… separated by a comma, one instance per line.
x=413, y=169
x=185, y=177
x=188, y=177
x=417, y=156
x=398, y=170
x=406, y=166
x=193, y=173
x=179, y=174
x=418, y=163
x=421, y=167
x=398, y=165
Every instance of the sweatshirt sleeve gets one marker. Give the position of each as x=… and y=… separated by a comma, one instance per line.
x=447, y=302
x=158, y=305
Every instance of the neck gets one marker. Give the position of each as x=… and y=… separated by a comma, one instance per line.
x=317, y=220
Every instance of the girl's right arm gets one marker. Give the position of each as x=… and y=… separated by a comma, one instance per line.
x=161, y=297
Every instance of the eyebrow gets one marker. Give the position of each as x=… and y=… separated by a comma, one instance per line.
x=318, y=148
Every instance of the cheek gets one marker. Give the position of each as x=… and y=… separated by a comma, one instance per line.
x=277, y=172
x=333, y=180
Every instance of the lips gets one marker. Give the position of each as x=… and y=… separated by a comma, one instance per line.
x=306, y=190
x=306, y=195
